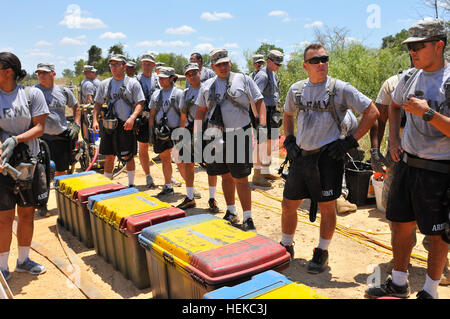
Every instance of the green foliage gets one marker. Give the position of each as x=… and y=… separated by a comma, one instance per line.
x=395, y=41
x=68, y=73
x=175, y=61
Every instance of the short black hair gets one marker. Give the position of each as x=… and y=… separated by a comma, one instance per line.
x=313, y=46
x=198, y=56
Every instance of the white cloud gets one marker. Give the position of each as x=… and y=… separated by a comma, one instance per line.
x=160, y=43
x=183, y=30
x=316, y=24
x=204, y=47
x=8, y=49
x=113, y=35
x=216, y=16
x=73, y=41
x=231, y=45
x=37, y=53
x=280, y=14
x=42, y=43
x=73, y=19
x=352, y=40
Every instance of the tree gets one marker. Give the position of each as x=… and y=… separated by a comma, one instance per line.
x=395, y=41
x=332, y=39
x=79, y=66
x=68, y=73
x=95, y=55
x=116, y=49
x=172, y=60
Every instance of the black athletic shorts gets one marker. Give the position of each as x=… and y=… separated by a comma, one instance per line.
x=416, y=195
x=142, y=134
x=9, y=200
x=60, y=150
x=299, y=182
x=240, y=163
x=124, y=142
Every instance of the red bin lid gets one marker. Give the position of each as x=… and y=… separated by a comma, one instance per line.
x=83, y=194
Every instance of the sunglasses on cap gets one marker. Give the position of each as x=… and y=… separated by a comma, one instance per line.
x=318, y=59
x=416, y=46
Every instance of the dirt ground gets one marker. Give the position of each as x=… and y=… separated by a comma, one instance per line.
x=351, y=262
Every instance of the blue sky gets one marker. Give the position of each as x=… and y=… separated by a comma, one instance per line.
x=62, y=31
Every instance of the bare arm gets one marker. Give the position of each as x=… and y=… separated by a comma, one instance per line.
x=288, y=124
x=261, y=107
x=369, y=117
x=76, y=110
x=95, y=113
x=394, y=131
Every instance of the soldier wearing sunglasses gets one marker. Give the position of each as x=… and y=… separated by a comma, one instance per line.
x=317, y=152
x=421, y=179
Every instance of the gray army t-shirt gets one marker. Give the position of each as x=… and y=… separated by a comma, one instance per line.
x=419, y=137
x=57, y=97
x=15, y=117
x=133, y=93
x=242, y=88
x=269, y=86
x=170, y=105
x=87, y=88
x=189, y=96
x=316, y=129
x=149, y=84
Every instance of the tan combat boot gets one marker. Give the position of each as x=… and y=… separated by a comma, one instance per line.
x=259, y=181
x=267, y=174
x=344, y=206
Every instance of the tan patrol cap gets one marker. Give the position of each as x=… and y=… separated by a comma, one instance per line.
x=219, y=56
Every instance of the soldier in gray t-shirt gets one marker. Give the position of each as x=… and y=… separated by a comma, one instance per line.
x=317, y=153
x=421, y=179
x=59, y=136
x=226, y=100
x=164, y=118
x=88, y=87
x=205, y=73
x=125, y=99
x=22, y=121
x=269, y=85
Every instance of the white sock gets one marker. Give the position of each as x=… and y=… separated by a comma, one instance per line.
x=431, y=286
x=24, y=251
x=131, y=175
x=212, y=191
x=400, y=278
x=232, y=209
x=4, y=260
x=265, y=170
x=190, y=192
x=169, y=186
x=287, y=239
x=324, y=243
x=108, y=175
x=257, y=167
x=247, y=214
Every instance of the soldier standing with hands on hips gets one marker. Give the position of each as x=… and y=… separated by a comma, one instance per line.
x=317, y=153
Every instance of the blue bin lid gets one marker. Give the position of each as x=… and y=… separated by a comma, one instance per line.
x=149, y=234
x=60, y=178
x=97, y=198
x=258, y=285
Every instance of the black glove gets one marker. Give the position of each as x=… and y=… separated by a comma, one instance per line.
x=339, y=148
x=8, y=148
x=292, y=149
x=377, y=160
x=261, y=131
x=74, y=131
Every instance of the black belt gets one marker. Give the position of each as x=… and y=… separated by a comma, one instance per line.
x=426, y=164
x=311, y=152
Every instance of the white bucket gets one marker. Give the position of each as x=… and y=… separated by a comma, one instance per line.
x=378, y=187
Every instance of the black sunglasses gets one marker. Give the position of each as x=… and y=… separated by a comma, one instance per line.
x=416, y=46
x=318, y=59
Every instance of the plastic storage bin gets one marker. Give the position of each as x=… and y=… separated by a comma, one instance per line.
x=191, y=256
x=357, y=176
x=120, y=221
x=267, y=285
x=98, y=235
x=67, y=189
x=60, y=202
x=80, y=212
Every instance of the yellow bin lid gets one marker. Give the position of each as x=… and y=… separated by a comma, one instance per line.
x=113, y=210
x=292, y=291
x=71, y=185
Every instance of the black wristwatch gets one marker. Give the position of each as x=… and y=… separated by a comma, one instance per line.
x=428, y=115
